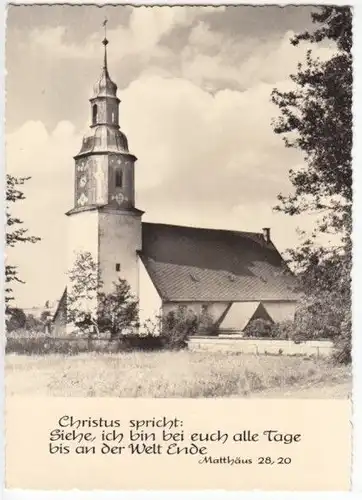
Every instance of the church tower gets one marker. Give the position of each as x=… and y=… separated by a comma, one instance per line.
x=104, y=220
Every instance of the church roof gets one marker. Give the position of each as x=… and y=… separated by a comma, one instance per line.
x=194, y=264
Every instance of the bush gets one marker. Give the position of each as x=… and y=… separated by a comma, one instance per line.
x=141, y=343
x=206, y=323
x=284, y=330
x=343, y=343
x=259, y=328
x=30, y=344
x=177, y=327
x=16, y=319
x=319, y=317
x=34, y=324
x=43, y=344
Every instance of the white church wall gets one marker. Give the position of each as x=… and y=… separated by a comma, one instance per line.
x=150, y=303
x=82, y=235
x=119, y=240
x=280, y=311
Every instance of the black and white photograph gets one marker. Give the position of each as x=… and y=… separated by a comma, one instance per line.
x=179, y=201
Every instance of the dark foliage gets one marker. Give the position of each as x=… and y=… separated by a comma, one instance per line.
x=316, y=118
x=16, y=319
x=343, y=344
x=36, y=344
x=207, y=324
x=259, y=328
x=285, y=330
x=90, y=309
x=118, y=311
x=177, y=327
x=34, y=324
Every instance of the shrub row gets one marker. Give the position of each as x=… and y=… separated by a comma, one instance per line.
x=70, y=346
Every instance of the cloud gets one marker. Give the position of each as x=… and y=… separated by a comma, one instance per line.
x=146, y=28
x=218, y=146
x=242, y=62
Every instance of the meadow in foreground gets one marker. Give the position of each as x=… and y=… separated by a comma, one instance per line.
x=175, y=374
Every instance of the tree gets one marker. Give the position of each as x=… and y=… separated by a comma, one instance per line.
x=83, y=292
x=16, y=319
x=46, y=319
x=118, y=311
x=33, y=324
x=178, y=325
x=15, y=233
x=259, y=327
x=316, y=118
x=90, y=308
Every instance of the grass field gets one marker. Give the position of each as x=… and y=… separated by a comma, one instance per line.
x=175, y=374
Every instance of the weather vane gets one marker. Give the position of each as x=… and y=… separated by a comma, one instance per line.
x=105, y=41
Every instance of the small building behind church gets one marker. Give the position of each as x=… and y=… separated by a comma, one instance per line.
x=232, y=276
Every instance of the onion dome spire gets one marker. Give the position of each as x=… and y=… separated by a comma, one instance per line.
x=105, y=87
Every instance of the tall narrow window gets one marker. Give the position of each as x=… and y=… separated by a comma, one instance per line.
x=94, y=113
x=119, y=178
x=113, y=117
x=118, y=267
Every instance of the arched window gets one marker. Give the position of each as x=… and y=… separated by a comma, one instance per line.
x=94, y=113
x=113, y=117
x=119, y=178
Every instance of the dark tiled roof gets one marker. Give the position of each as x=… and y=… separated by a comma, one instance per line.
x=192, y=264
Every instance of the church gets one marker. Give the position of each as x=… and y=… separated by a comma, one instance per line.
x=233, y=276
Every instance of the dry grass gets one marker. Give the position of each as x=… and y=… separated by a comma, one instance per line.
x=174, y=374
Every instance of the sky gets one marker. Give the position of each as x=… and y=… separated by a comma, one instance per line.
x=195, y=86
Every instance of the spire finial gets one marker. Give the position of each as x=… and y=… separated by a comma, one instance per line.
x=105, y=42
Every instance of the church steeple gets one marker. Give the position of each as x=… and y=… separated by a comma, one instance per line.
x=104, y=220
x=104, y=101
x=104, y=165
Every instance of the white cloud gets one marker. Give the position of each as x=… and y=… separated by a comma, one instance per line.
x=185, y=135
x=243, y=62
x=147, y=25
x=202, y=36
